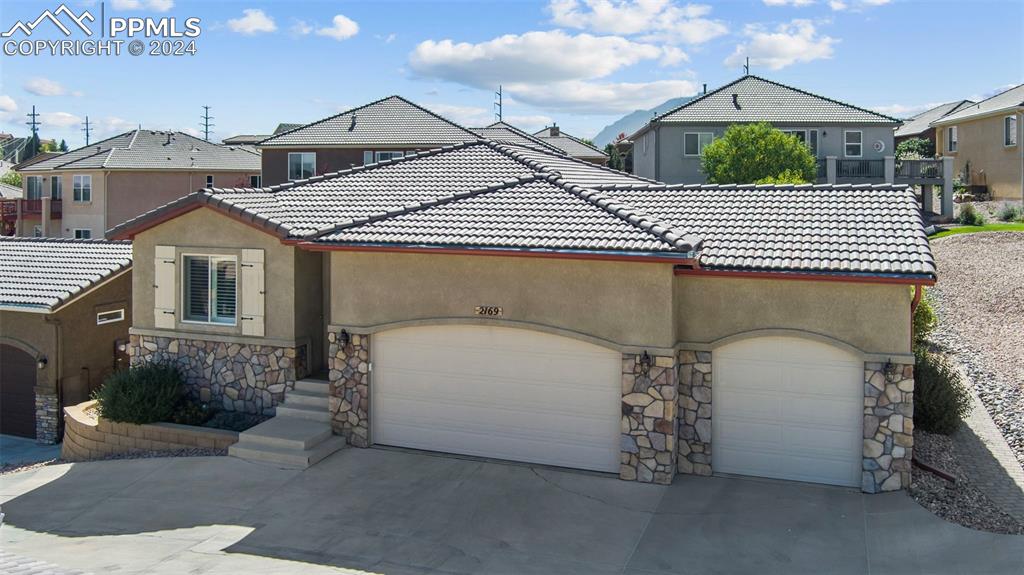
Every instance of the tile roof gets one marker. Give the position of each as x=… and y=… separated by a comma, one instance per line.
x=42, y=274
x=571, y=145
x=1008, y=100
x=153, y=150
x=860, y=229
x=509, y=134
x=922, y=122
x=755, y=99
x=8, y=191
x=390, y=121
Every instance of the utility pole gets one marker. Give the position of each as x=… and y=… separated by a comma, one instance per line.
x=33, y=122
x=206, y=125
x=497, y=105
x=86, y=130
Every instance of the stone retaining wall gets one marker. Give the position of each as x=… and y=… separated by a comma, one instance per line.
x=47, y=418
x=236, y=377
x=888, y=427
x=350, y=387
x=648, y=440
x=89, y=437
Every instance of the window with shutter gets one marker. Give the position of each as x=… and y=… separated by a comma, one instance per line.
x=253, y=293
x=209, y=289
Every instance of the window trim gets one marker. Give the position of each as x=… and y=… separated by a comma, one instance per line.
x=258, y=179
x=952, y=141
x=700, y=149
x=28, y=187
x=181, y=279
x=288, y=166
x=119, y=312
x=84, y=178
x=209, y=180
x=58, y=181
x=391, y=155
x=1007, y=132
x=847, y=143
x=76, y=230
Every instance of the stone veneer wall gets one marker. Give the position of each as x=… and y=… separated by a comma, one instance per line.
x=47, y=414
x=888, y=428
x=648, y=450
x=237, y=377
x=350, y=385
x=695, y=412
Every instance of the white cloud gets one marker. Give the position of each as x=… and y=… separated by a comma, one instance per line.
x=154, y=5
x=469, y=116
x=788, y=44
x=7, y=104
x=301, y=27
x=788, y=2
x=59, y=119
x=837, y=5
x=531, y=57
x=672, y=56
x=855, y=5
x=112, y=125
x=529, y=122
x=904, y=110
x=44, y=87
x=657, y=20
x=386, y=39
x=253, y=21
x=600, y=98
x=341, y=28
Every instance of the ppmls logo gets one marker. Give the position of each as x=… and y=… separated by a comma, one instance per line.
x=164, y=36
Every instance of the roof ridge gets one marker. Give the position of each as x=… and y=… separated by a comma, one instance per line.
x=575, y=139
x=525, y=134
x=63, y=240
x=413, y=208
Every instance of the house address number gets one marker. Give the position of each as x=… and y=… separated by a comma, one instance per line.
x=488, y=310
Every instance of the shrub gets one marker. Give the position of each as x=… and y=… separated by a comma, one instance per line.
x=747, y=153
x=940, y=399
x=192, y=413
x=924, y=320
x=915, y=149
x=141, y=394
x=969, y=216
x=786, y=177
x=1009, y=212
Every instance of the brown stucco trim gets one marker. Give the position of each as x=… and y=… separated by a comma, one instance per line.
x=639, y=258
x=808, y=276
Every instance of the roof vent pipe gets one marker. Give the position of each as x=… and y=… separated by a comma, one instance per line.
x=353, y=125
x=736, y=101
x=705, y=87
x=168, y=139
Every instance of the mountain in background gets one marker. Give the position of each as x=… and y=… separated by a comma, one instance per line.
x=634, y=121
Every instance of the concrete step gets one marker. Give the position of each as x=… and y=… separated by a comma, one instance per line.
x=313, y=384
x=304, y=412
x=287, y=457
x=297, y=397
x=289, y=433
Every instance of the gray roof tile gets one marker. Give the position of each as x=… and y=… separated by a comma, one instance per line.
x=1008, y=100
x=509, y=134
x=45, y=273
x=922, y=122
x=571, y=145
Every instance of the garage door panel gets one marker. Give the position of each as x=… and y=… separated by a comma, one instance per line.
x=497, y=392
x=812, y=468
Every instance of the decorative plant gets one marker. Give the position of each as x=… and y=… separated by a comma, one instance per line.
x=940, y=399
x=142, y=394
x=748, y=153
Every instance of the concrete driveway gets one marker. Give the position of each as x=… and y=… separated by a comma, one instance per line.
x=394, y=512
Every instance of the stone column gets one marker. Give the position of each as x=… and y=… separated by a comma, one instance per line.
x=44, y=216
x=47, y=418
x=927, y=199
x=888, y=427
x=350, y=387
x=890, y=169
x=695, y=410
x=831, y=169
x=947, y=187
x=648, y=441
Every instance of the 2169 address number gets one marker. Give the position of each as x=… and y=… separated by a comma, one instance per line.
x=488, y=310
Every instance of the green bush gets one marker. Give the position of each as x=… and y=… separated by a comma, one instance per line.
x=924, y=320
x=915, y=149
x=192, y=413
x=748, y=153
x=143, y=394
x=969, y=216
x=1009, y=213
x=786, y=177
x=940, y=399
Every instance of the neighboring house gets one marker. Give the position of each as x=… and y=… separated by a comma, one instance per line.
x=9, y=192
x=252, y=140
x=65, y=310
x=509, y=134
x=985, y=141
x=377, y=131
x=920, y=126
x=572, y=145
x=669, y=147
x=500, y=301
x=84, y=192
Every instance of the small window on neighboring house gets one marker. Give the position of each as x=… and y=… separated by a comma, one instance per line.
x=56, y=187
x=814, y=143
x=255, y=181
x=367, y=157
x=208, y=286
x=1010, y=131
x=381, y=156
x=695, y=142
x=82, y=188
x=853, y=141
x=83, y=234
x=301, y=165
x=951, y=139
x=209, y=181
x=34, y=188
x=112, y=316
x=645, y=141
x=37, y=231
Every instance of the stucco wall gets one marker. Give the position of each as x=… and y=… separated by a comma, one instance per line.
x=870, y=317
x=309, y=304
x=86, y=215
x=980, y=143
x=643, y=159
x=620, y=302
x=205, y=231
x=275, y=160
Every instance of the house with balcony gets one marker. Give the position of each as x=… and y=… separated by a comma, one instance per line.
x=82, y=193
x=852, y=145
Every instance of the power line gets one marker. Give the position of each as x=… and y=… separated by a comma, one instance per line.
x=86, y=130
x=33, y=122
x=205, y=124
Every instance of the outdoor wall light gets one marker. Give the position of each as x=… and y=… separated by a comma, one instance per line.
x=41, y=362
x=344, y=338
x=891, y=370
x=645, y=363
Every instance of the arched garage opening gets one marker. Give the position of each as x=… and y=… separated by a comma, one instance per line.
x=500, y=392
x=17, y=392
x=788, y=408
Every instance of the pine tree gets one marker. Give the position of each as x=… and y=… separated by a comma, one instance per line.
x=63, y=146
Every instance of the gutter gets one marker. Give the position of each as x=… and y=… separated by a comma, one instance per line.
x=637, y=257
x=922, y=280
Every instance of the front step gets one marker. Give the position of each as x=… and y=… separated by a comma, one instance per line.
x=304, y=412
x=313, y=384
x=287, y=457
x=287, y=433
x=298, y=397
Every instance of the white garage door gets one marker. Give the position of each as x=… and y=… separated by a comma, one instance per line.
x=787, y=408
x=497, y=392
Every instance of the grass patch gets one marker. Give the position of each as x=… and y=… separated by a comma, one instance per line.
x=975, y=229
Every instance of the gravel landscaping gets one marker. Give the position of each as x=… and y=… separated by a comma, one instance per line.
x=957, y=502
x=193, y=452
x=979, y=299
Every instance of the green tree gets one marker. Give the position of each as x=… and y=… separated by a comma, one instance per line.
x=63, y=146
x=748, y=153
x=11, y=178
x=915, y=149
x=615, y=160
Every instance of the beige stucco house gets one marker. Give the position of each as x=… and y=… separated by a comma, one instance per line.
x=986, y=141
x=500, y=301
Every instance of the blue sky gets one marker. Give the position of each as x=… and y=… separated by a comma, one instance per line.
x=581, y=63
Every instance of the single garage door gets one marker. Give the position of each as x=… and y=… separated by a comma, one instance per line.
x=497, y=392
x=17, y=392
x=788, y=408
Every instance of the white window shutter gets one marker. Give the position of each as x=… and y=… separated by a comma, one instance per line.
x=163, y=287
x=253, y=288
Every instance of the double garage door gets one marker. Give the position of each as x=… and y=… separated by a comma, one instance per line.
x=782, y=407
